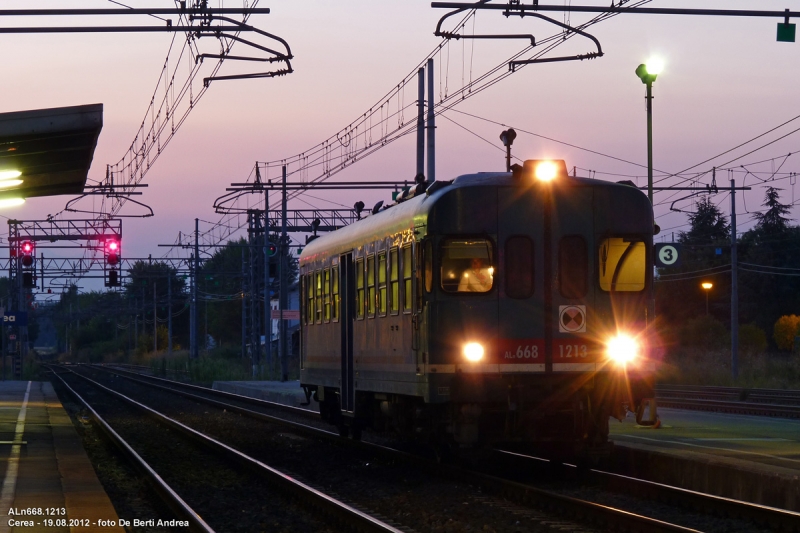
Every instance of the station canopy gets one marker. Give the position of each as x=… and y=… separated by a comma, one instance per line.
x=48, y=150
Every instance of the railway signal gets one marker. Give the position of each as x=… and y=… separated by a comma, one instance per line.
x=272, y=249
x=112, y=249
x=27, y=258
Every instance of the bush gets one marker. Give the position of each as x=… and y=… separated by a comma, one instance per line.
x=705, y=332
x=785, y=330
x=752, y=339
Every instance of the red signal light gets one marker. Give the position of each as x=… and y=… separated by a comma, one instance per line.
x=112, y=252
x=28, y=250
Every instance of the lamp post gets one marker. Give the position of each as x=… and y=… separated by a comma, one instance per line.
x=706, y=285
x=648, y=72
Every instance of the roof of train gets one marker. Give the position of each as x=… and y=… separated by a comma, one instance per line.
x=401, y=216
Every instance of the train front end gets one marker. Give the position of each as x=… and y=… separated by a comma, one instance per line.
x=538, y=287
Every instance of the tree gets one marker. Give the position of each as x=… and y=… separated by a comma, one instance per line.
x=768, y=252
x=170, y=288
x=706, y=244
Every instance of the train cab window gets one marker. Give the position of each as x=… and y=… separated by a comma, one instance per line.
x=467, y=265
x=326, y=294
x=623, y=264
x=394, y=280
x=309, y=278
x=573, y=266
x=519, y=267
x=382, y=283
x=371, y=286
x=408, y=293
x=318, y=294
x=335, y=293
x=359, y=288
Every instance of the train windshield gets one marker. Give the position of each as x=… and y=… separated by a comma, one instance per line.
x=623, y=264
x=467, y=265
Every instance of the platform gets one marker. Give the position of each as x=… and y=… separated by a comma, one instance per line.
x=283, y=392
x=752, y=458
x=44, y=467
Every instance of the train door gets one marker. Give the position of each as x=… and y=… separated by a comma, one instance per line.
x=520, y=246
x=347, y=290
x=574, y=322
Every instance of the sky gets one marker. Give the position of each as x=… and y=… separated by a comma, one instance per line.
x=726, y=81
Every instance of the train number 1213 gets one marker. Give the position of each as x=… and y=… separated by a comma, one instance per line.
x=572, y=350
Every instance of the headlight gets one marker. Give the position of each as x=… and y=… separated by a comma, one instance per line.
x=622, y=349
x=546, y=171
x=473, y=351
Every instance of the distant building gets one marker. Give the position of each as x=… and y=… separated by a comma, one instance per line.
x=292, y=325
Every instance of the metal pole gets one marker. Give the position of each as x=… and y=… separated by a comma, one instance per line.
x=734, y=289
x=155, y=321
x=282, y=304
x=267, y=309
x=169, y=313
x=244, y=312
x=651, y=304
x=706, y=302
x=421, y=122
x=431, y=126
x=195, y=273
x=649, y=99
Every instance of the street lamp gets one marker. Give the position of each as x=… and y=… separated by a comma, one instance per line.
x=648, y=72
x=706, y=287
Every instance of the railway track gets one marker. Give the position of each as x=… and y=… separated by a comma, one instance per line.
x=761, y=402
x=247, y=481
x=524, y=494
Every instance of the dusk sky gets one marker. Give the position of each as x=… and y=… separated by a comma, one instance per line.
x=726, y=81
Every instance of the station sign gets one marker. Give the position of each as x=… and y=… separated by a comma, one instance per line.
x=288, y=314
x=667, y=254
x=15, y=318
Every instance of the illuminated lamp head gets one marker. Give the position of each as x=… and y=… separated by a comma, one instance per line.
x=622, y=349
x=545, y=170
x=473, y=351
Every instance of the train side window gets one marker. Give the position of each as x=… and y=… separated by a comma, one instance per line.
x=623, y=264
x=326, y=294
x=318, y=293
x=408, y=292
x=519, y=267
x=394, y=280
x=467, y=265
x=371, y=286
x=382, y=283
x=573, y=266
x=335, y=294
x=309, y=298
x=359, y=288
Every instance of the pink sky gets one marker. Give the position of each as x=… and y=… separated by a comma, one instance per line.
x=726, y=80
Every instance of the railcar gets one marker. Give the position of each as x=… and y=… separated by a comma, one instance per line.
x=500, y=307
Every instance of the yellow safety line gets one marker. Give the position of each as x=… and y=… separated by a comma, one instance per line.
x=10, y=481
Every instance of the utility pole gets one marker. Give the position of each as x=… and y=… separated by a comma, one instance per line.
x=421, y=122
x=169, y=312
x=244, y=312
x=193, y=348
x=734, y=289
x=267, y=308
x=282, y=250
x=431, y=127
x=155, y=321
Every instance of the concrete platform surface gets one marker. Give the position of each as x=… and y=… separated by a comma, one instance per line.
x=48, y=482
x=752, y=458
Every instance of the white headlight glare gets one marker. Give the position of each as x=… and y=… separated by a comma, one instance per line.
x=473, y=351
x=622, y=349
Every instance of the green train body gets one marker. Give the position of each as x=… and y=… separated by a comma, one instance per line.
x=389, y=306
